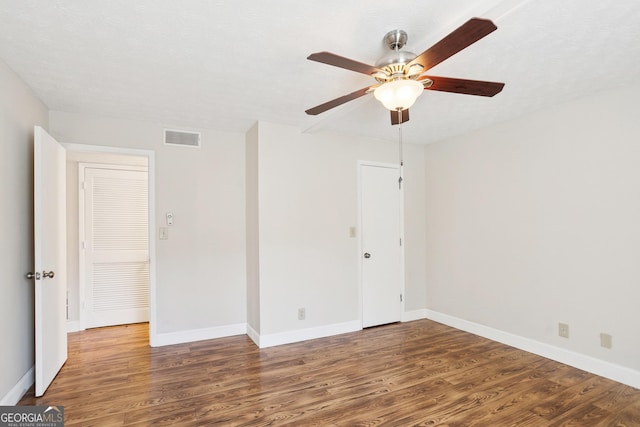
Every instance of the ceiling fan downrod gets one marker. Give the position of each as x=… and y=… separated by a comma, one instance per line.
x=395, y=39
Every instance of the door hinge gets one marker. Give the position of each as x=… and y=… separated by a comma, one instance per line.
x=400, y=297
x=401, y=241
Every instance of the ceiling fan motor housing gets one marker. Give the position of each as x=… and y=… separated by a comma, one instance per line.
x=394, y=63
x=394, y=58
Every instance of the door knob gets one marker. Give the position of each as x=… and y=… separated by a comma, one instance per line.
x=33, y=275
x=49, y=274
x=367, y=255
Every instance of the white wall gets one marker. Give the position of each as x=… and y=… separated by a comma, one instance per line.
x=20, y=110
x=537, y=221
x=308, y=200
x=200, y=269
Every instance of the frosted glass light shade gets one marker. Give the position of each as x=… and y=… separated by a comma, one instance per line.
x=398, y=94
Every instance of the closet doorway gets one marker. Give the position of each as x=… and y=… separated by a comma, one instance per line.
x=113, y=244
x=116, y=158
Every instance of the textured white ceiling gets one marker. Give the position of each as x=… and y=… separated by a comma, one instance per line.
x=226, y=64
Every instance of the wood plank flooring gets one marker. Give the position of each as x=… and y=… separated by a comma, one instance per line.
x=417, y=373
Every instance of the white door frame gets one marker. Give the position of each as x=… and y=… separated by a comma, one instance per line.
x=362, y=163
x=150, y=155
x=82, y=280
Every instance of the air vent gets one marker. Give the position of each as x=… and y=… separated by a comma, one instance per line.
x=182, y=138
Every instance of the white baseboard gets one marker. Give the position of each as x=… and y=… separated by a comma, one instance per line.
x=599, y=367
x=74, y=326
x=18, y=390
x=288, y=337
x=409, y=316
x=255, y=336
x=169, y=338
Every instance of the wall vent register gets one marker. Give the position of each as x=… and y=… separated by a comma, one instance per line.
x=182, y=138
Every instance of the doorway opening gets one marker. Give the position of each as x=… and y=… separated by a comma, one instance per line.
x=81, y=311
x=113, y=244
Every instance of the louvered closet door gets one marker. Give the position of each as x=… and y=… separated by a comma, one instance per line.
x=116, y=247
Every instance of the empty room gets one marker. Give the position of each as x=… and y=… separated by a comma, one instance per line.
x=321, y=213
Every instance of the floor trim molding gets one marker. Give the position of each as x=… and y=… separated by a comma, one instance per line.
x=180, y=337
x=600, y=367
x=270, y=340
x=15, y=394
x=409, y=316
x=74, y=326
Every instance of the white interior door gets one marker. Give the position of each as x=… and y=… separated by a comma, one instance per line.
x=114, y=237
x=50, y=246
x=381, y=257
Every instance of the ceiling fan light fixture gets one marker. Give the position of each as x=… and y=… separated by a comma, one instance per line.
x=398, y=94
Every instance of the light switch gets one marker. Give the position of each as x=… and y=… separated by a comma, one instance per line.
x=163, y=233
x=169, y=218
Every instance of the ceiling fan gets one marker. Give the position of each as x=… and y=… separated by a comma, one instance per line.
x=399, y=74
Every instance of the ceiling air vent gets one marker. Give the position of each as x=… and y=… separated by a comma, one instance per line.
x=182, y=138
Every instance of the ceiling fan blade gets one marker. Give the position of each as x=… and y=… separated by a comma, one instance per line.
x=465, y=35
x=396, y=118
x=468, y=87
x=338, y=101
x=342, y=62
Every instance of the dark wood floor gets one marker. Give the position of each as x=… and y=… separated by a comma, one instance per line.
x=415, y=373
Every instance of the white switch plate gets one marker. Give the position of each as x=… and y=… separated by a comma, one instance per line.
x=169, y=218
x=163, y=233
x=606, y=340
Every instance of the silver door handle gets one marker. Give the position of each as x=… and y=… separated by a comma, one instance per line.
x=367, y=255
x=31, y=275
x=49, y=274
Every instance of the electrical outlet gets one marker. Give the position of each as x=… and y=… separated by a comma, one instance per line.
x=606, y=340
x=302, y=313
x=563, y=330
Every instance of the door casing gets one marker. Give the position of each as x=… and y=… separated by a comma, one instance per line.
x=151, y=164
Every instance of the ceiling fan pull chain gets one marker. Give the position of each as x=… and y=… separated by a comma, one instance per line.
x=400, y=154
x=400, y=137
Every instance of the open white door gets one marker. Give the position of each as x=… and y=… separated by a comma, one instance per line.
x=50, y=258
x=380, y=222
